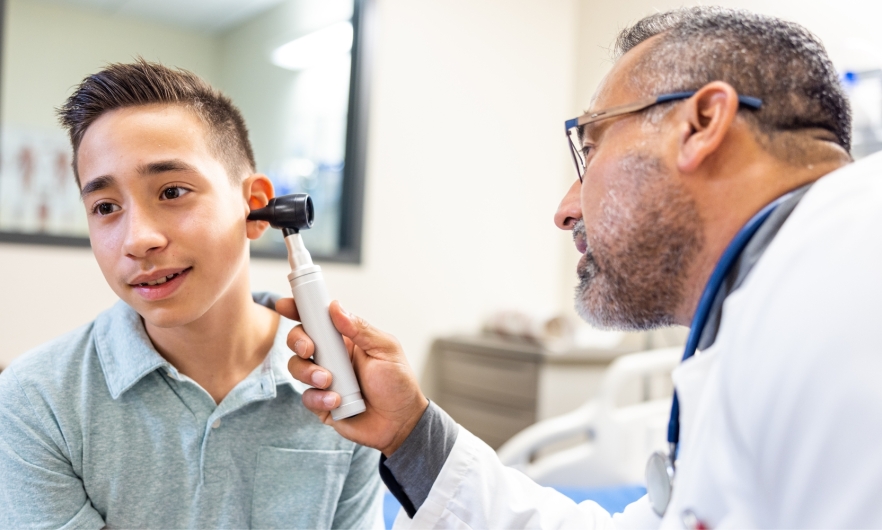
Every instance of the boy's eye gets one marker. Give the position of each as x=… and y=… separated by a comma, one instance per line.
x=174, y=192
x=105, y=208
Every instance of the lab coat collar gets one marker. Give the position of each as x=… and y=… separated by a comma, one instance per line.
x=746, y=261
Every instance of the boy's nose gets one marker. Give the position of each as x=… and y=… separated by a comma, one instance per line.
x=142, y=235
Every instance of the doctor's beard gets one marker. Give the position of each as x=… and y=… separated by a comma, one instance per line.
x=634, y=272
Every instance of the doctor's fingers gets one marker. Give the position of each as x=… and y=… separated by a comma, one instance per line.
x=287, y=308
x=306, y=371
x=374, y=342
x=321, y=402
x=300, y=343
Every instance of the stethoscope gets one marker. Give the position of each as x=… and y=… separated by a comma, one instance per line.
x=661, y=467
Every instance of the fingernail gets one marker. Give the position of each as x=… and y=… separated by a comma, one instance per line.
x=300, y=347
x=319, y=379
x=329, y=400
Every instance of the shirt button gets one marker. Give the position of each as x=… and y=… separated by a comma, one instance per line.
x=216, y=424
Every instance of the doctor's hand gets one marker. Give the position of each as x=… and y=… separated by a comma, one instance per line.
x=391, y=393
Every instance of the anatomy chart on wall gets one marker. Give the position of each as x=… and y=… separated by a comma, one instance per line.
x=38, y=193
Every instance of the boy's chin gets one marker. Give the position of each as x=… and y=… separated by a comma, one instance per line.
x=170, y=315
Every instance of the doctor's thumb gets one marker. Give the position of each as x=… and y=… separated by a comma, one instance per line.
x=361, y=333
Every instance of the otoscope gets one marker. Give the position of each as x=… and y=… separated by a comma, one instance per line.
x=293, y=213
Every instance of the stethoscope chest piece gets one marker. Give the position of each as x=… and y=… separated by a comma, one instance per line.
x=659, y=481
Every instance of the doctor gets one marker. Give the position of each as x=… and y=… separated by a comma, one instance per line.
x=715, y=189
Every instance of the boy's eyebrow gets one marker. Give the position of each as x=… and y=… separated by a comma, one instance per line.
x=97, y=184
x=163, y=166
x=105, y=181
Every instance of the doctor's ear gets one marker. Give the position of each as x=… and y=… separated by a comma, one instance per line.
x=258, y=190
x=709, y=116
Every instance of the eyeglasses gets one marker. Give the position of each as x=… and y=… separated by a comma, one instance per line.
x=574, y=126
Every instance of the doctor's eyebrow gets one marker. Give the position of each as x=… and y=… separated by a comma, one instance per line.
x=97, y=184
x=593, y=131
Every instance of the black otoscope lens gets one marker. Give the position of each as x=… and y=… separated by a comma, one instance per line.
x=291, y=213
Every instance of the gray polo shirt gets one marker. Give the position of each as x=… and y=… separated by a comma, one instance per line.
x=97, y=429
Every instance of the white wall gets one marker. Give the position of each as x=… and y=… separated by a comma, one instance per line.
x=77, y=42
x=466, y=165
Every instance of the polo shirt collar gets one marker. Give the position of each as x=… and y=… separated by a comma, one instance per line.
x=127, y=355
x=124, y=349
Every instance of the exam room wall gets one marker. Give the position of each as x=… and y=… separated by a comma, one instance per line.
x=466, y=164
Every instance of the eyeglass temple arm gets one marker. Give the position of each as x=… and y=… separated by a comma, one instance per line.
x=588, y=117
x=747, y=101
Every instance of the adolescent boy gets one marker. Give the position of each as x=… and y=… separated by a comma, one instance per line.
x=175, y=407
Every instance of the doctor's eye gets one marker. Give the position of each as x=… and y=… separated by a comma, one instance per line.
x=173, y=192
x=105, y=208
x=586, y=150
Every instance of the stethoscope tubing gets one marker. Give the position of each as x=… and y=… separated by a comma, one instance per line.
x=706, y=302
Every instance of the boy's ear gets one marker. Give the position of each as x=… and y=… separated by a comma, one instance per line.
x=258, y=190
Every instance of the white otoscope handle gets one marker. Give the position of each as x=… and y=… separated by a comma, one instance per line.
x=312, y=299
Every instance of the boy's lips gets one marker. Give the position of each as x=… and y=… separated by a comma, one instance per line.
x=156, y=277
x=159, y=284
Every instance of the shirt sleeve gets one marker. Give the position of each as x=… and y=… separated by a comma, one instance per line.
x=411, y=471
x=361, y=502
x=39, y=488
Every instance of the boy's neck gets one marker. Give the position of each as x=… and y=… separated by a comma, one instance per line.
x=223, y=346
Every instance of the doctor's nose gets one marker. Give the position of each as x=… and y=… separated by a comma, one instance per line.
x=142, y=235
x=570, y=209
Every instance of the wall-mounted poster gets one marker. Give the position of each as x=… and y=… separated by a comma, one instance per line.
x=38, y=193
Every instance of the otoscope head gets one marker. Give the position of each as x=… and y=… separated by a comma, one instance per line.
x=292, y=213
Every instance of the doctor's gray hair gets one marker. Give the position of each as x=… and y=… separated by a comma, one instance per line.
x=780, y=62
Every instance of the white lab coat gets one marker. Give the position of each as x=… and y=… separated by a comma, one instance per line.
x=781, y=417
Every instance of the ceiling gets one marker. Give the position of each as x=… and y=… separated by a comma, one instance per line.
x=210, y=16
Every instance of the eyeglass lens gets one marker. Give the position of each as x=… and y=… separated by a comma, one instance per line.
x=576, y=149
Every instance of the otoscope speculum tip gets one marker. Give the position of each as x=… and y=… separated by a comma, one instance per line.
x=291, y=213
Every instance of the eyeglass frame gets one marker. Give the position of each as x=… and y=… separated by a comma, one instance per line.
x=576, y=124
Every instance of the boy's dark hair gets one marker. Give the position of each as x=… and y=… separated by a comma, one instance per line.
x=778, y=61
x=141, y=82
